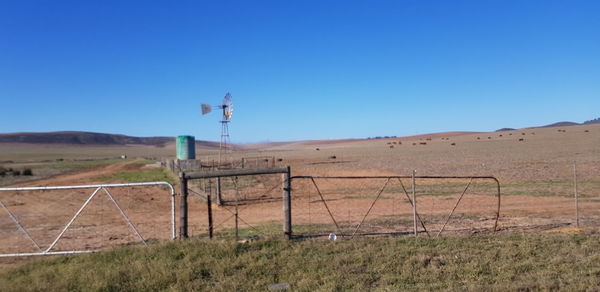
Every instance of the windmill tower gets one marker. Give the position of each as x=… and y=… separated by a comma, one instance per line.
x=227, y=109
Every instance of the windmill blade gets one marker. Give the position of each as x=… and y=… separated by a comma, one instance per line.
x=227, y=99
x=206, y=108
x=228, y=112
x=227, y=107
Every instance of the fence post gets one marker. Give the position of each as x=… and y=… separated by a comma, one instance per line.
x=210, y=216
x=219, y=199
x=183, y=207
x=414, y=199
x=287, y=204
x=576, y=194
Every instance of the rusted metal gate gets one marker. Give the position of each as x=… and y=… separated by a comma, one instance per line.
x=231, y=203
x=349, y=206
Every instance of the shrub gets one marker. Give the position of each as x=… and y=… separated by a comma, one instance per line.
x=16, y=172
x=27, y=171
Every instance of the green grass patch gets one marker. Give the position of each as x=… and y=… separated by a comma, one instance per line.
x=502, y=262
x=155, y=174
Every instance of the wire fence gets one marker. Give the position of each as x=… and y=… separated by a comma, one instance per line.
x=245, y=204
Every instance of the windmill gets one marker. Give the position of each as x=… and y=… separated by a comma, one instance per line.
x=227, y=108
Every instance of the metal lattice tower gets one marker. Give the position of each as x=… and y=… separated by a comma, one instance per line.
x=227, y=107
x=224, y=145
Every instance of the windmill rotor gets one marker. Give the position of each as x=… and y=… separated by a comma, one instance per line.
x=227, y=107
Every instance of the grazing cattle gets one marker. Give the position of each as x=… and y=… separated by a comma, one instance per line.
x=332, y=157
x=521, y=139
x=414, y=144
x=587, y=131
x=317, y=149
x=453, y=144
x=478, y=138
x=489, y=137
x=423, y=143
x=391, y=146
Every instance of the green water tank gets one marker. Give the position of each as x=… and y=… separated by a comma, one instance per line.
x=186, y=147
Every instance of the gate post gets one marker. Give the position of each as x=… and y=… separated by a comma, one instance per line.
x=183, y=207
x=219, y=199
x=210, y=216
x=287, y=204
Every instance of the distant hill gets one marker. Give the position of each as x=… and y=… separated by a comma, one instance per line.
x=89, y=138
x=560, y=124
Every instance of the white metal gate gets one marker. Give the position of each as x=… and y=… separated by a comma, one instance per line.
x=101, y=188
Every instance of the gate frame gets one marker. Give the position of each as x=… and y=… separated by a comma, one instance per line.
x=185, y=177
x=413, y=177
x=97, y=188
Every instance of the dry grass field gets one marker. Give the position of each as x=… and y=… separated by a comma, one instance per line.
x=536, y=176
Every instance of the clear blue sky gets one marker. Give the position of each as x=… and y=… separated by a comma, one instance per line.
x=297, y=69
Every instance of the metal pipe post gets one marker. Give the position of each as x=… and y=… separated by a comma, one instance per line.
x=183, y=208
x=210, y=216
x=287, y=204
x=218, y=193
x=414, y=199
x=237, y=225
